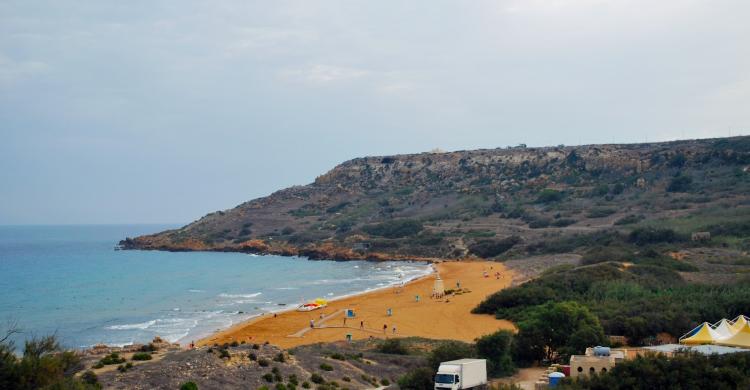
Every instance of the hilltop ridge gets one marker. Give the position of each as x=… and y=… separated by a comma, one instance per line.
x=479, y=203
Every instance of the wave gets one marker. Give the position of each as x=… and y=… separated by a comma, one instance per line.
x=141, y=326
x=253, y=295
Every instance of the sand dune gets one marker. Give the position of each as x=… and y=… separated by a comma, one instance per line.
x=448, y=318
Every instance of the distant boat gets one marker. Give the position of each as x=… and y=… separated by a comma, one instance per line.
x=310, y=306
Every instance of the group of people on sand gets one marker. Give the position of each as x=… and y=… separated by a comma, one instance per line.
x=487, y=275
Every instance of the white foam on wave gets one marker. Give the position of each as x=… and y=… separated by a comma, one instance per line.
x=253, y=295
x=192, y=290
x=140, y=325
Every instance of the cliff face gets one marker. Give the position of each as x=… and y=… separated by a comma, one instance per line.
x=451, y=205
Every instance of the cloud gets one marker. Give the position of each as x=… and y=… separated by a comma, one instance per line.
x=322, y=74
x=12, y=71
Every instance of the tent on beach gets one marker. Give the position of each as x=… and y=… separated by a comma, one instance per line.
x=740, y=339
x=724, y=329
x=701, y=334
x=739, y=323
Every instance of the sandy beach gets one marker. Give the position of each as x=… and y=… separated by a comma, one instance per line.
x=447, y=318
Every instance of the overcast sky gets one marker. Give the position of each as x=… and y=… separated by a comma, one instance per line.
x=163, y=111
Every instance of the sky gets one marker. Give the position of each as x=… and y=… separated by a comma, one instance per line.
x=162, y=111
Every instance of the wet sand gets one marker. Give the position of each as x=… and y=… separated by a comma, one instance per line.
x=447, y=318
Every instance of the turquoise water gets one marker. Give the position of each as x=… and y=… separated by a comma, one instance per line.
x=69, y=280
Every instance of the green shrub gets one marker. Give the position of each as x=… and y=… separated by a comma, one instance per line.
x=346, y=379
x=629, y=219
x=539, y=223
x=89, y=377
x=293, y=380
x=280, y=386
x=268, y=377
x=680, y=183
x=492, y=248
x=256, y=346
x=189, y=386
x=235, y=343
x=649, y=235
x=338, y=356
x=279, y=357
x=600, y=213
x=113, y=358
x=305, y=385
x=252, y=356
x=563, y=222
x=393, y=347
x=385, y=382
x=142, y=356
x=549, y=195
x=315, y=378
x=326, y=367
x=263, y=362
x=417, y=379
x=394, y=228
x=224, y=354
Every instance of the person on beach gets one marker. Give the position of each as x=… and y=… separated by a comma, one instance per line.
x=394, y=329
x=344, y=320
x=361, y=325
x=312, y=324
x=385, y=328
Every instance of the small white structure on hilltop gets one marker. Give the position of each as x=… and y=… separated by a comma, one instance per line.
x=597, y=360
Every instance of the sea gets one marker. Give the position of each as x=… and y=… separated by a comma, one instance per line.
x=70, y=281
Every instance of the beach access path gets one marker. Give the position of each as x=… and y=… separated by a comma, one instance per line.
x=446, y=318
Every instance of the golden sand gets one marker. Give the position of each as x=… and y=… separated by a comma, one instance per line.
x=447, y=318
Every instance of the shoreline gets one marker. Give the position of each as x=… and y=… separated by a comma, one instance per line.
x=451, y=317
x=183, y=341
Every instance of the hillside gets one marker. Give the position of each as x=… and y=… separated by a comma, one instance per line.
x=491, y=203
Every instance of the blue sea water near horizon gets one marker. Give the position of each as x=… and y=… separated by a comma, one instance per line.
x=70, y=281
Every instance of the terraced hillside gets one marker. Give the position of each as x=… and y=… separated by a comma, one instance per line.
x=492, y=203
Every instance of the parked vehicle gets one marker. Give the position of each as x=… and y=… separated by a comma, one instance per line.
x=461, y=375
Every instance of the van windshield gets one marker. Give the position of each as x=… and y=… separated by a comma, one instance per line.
x=445, y=378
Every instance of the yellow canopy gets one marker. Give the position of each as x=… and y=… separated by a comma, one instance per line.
x=739, y=323
x=321, y=301
x=701, y=334
x=740, y=339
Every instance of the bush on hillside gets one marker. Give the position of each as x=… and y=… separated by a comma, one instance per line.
x=189, y=386
x=492, y=248
x=650, y=235
x=680, y=183
x=549, y=195
x=395, y=228
x=417, y=379
x=142, y=356
x=393, y=347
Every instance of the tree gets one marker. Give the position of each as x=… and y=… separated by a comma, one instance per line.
x=417, y=379
x=450, y=350
x=557, y=330
x=496, y=348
